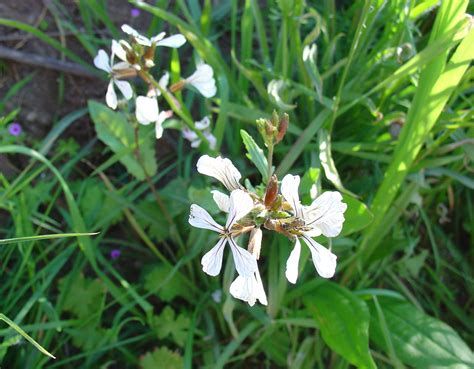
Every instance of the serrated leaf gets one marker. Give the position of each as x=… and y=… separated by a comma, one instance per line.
x=162, y=358
x=358, y=216
x=117, y=133
x=419, y=340
x=84, y=297
x=255, y=155
x=167, y=324
x=343, y=319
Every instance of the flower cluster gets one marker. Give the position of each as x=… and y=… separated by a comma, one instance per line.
x=247, y=212
x=135, y=58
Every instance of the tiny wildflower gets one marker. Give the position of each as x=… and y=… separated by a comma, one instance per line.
x=115, y=254
x=103, y=62
x=324, y=216
x=15, y=129
x=134, y=12
x=240, y=205
x=147, y=112
x=202, y=125
x=203, y=80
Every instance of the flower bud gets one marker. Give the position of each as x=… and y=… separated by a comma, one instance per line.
x=255, y=242
x=271, y=192
x=282, y=127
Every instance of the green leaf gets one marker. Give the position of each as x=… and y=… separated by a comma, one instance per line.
x=174, y=287
x=161, y=358
x=255, y=155
x=358, y=216
x=84, y=297
x=343, y=319
x=117, y=133
x=44, y=237
x=167, y=324
x=418, y=339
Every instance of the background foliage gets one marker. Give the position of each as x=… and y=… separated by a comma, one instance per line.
x=379, y=105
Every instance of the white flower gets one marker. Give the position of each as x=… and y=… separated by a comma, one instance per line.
x=203, y=80
x=240, y=205
x=221, y=169
x=174, y=41
x=324, y=216
x=249, y=289
x=102, y=61
x=119, y=49
x=202, y=125
x=147, y=112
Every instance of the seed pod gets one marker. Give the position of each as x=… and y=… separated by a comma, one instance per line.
x=271, y=192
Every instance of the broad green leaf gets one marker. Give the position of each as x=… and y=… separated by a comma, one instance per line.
x=418, y=339
x=161, y=358
x=343, y=319
x=117, y=133
x=255, y=155
x=358, y=216
x=171, y=289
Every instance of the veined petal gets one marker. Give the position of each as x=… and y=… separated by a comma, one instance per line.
x=174, y=41
x=221, y=169
x=102, y=61
x=240, y=205
x=203, y=80
x=324, y=260
x=146, y=110
x=212, y=261
x=111, y=96
x=293, y=262
x=289, y=190
x=222, y=200
x=244, y=261
x=200, y=218
x=326, y=214
x=124, y=88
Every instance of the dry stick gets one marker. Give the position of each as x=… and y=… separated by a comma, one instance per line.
x=45, y=62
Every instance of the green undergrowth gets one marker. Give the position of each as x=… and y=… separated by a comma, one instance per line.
x=379, y=95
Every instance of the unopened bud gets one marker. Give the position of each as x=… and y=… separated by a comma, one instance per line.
x=271, y=192
x=255, y=242
x=149, y=55
x=178, y=86
x=282, y=127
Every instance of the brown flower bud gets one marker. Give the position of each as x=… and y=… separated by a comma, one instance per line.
x=255, y=242
x=282, y=127
x=271, y=192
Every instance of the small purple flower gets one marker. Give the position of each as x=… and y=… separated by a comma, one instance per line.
x=14, y=129
x=115, y=254
x=134, y=12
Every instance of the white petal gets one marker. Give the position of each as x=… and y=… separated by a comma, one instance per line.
x=174, y=41
x=188, y=134
x=118, y=50
x=203, y=80
x=212, y=261
x=289, y=190
x=164, y=81
x=222, y=200
x=326, y=214
x=146, y=110
x=249, y=289
x=121, y=65
x=195, y=143
x=203, y=123
x=292, y=263
x=124, y=88
x=102, y=61
x=158, y=37
x=244, y=261
x=240, y=205
x=211, y=139
x=142, y=40
x=220, y=169
x=324, y=260
x=158, y=130
x=111, y=96
x=200, y=218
